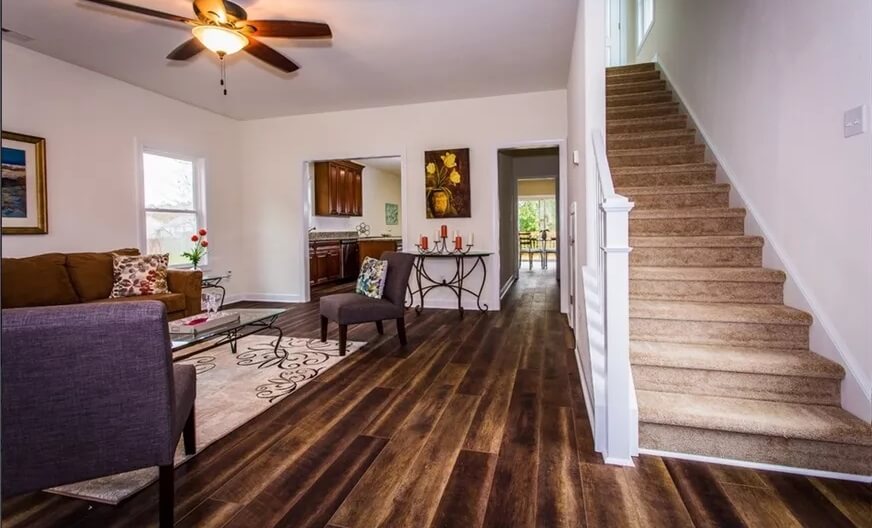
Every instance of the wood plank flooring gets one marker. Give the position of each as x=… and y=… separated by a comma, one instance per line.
x=478, y=422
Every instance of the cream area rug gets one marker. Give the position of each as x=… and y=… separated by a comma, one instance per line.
x=231, y=390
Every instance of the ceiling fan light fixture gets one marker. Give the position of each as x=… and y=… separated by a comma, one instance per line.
x=221, y=40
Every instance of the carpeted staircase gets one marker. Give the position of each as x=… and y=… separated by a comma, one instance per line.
x=721, y=365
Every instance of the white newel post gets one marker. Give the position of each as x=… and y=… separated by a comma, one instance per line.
x=616, y=251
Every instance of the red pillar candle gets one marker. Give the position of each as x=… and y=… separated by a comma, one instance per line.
x=444, y=231
x=458, y=242
x=424, y=242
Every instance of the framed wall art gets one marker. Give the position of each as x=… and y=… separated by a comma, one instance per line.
x=447, y=173
x=23, y=190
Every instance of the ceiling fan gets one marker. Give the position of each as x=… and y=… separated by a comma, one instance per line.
x=223, y=27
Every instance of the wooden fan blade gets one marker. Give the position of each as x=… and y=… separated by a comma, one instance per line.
x=142, y=10
x=211, y=11
x=186, y=50
x=270, y=56
x=290, y=29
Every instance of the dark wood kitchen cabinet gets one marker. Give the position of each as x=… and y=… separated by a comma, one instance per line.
x=325, y=262
x=333, y=260
x=338, y=188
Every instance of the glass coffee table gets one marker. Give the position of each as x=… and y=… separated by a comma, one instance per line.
x=251, y=321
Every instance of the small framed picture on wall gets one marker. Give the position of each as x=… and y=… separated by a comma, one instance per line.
x=24, y=207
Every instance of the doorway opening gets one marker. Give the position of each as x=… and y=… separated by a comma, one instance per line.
x=354, y=210
x=530, y=214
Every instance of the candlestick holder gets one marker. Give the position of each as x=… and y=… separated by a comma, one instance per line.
x=440, y=247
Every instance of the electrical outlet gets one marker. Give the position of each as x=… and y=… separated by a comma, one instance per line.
x=856, y=121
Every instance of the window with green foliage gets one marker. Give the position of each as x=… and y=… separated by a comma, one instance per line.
x=534, y=215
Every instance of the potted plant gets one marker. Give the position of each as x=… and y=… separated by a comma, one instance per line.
x=440, y=179
x=199, y=250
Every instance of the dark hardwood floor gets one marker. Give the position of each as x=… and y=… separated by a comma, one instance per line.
x=477, y=422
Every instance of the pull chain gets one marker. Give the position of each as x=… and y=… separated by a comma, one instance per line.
x=223, y=72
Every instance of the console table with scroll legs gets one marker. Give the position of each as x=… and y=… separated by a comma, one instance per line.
x=460, y=282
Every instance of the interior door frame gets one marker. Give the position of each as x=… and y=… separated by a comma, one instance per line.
x=619, y=26
x=307, y=189
x=562, y=187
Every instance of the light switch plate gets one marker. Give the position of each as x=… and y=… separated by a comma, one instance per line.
x=576, y=158
x=856, y=121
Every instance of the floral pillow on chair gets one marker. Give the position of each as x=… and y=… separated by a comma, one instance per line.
x=371, y=281
x=139, y=275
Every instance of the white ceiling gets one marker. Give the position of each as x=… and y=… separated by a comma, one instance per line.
x=384, y=52
x=391, y=165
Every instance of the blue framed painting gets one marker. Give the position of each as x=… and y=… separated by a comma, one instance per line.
x=22, y=185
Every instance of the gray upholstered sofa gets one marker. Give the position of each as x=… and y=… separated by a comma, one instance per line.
x=89, y=391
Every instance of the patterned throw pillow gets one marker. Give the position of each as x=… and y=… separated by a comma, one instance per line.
x=139, y=275
x=371, y=281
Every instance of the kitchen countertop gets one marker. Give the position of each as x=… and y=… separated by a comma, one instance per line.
x=337, y=236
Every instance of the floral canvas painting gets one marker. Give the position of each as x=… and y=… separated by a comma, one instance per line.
x=448, y=189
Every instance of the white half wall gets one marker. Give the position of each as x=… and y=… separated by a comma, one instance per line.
x=276, y=150
x=767, y=84
x=93, y=126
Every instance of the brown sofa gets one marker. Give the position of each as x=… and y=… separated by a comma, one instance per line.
x=57, y=278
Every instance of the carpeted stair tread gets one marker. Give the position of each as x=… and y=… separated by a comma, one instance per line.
x=710, y=212
x=642, y=110
x=722, y=366
x=723, y=241
x=636, y=87
x=673, y=189
x=822, y=423
x=664, y=149
x=636, y=124
x=651, y=134
x=718, y=312
x=634, y=99
x=751, y=360
x=706, y=274
x=630, y=68
x=632, y=77
x=684, y=167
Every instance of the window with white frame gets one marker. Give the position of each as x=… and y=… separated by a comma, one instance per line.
x=644, y=19
x=172, y=191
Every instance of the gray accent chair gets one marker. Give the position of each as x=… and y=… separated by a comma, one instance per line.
x=89, y=391
x=354, y=308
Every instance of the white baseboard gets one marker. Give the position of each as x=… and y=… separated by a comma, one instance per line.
x=824, y=338
x=507, y=286
x=758, y=465
x=628, y=462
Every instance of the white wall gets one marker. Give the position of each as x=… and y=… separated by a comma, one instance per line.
x=767, y=83
x=278, y=148
x=92, y=125
x=379, y=187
